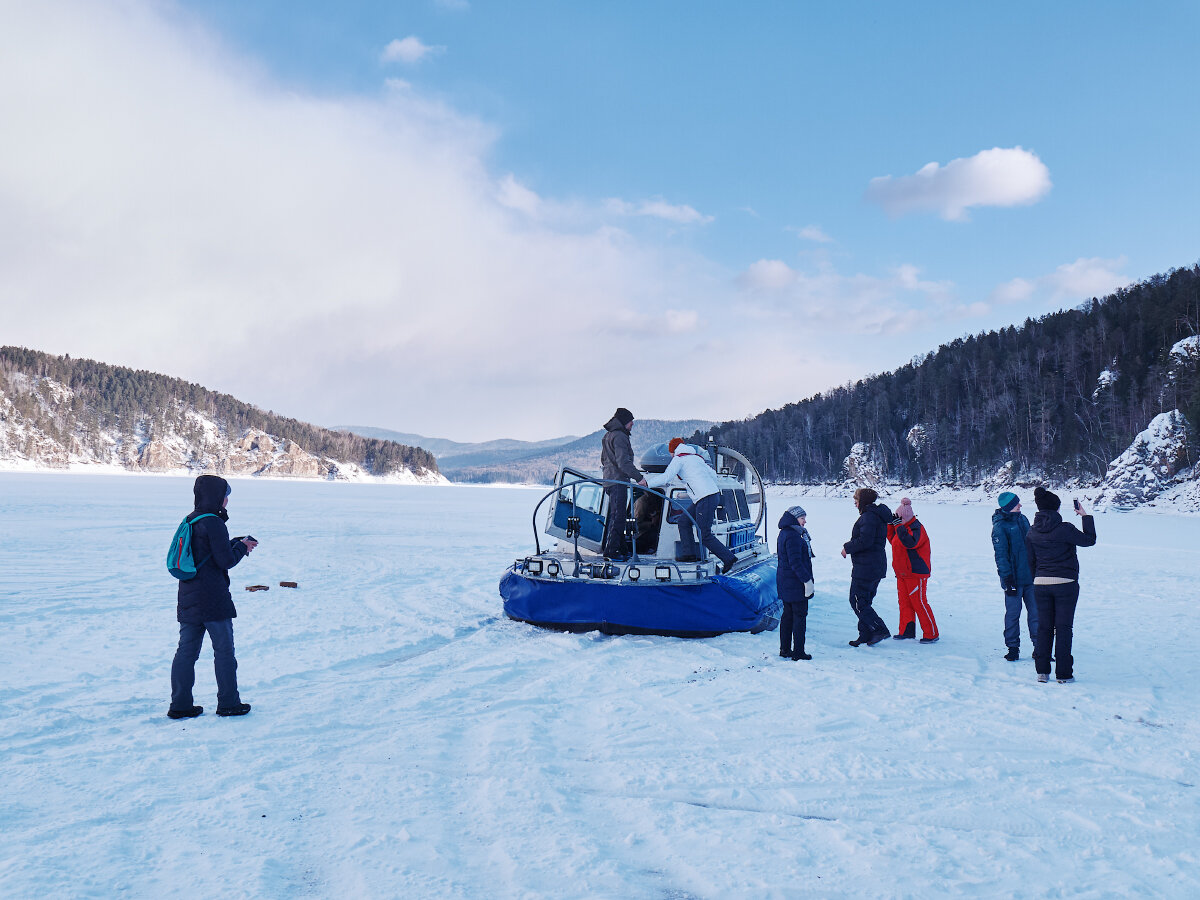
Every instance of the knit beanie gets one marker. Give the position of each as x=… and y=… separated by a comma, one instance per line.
x=1008, y=501
x=623, y=416
x=672, y=444
x=797, y=512
x=1046, y=500
x=904, y=510
x=864, y=497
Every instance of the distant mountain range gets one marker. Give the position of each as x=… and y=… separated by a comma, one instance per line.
x=531, y=462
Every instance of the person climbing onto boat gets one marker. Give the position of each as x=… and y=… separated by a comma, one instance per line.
x=911, y=563
x=794, y=581
x=616, y=459
x=688, y=465
x=865, y=549
x=1051, y=544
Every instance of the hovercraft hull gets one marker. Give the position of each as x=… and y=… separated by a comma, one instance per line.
x=743, y=601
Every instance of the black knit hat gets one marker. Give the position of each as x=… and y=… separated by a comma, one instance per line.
x=1046, y=500
x=623, y=415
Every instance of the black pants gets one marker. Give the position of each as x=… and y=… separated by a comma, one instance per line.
x=614, y=523
x=703, y=511
x=792, y=625
x=183, y=667
x=862, y=594
x=1056, y=621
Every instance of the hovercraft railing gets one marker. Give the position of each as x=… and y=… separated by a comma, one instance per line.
x=574, y=532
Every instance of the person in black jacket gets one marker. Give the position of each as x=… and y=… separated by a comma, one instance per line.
x=794, y=581
x=205, y=605
x=1050, y=544
x=865, y=549
x=616, y=460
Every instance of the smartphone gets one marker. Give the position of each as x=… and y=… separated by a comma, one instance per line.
x=1078, y=505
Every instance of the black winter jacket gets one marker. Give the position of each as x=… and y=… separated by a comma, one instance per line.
x=794, y=549
x=867, y=541
x=1051, y=544
x=206, y=597
x=616, y=455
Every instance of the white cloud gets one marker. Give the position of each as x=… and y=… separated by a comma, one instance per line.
x=1071, y=282
x=658, y=209
x=166, y=206
x=997, y=177
x=825, y=300
x=514, y=195
x=409, y=50
x=814, y=233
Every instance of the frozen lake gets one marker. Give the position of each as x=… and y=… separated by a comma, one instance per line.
x=409, y=741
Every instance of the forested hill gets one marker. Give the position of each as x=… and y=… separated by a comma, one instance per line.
x=1061, y=396
x=61, y=412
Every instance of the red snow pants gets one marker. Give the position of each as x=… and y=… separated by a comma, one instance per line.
x=913, y=601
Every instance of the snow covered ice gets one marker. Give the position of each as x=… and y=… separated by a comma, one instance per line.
x=409, y=741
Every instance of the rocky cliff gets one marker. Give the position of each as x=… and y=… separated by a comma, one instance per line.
x=44, y=424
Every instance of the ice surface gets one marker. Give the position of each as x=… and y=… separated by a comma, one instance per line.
x=408, y=741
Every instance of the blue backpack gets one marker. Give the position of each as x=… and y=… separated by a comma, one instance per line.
x=179, y=557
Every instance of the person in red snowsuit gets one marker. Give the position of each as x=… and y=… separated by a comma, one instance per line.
x=910, y=561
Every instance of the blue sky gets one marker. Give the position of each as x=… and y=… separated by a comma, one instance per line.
x=479, y=220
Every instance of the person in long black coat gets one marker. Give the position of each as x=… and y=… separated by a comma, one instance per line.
x=794, y=581
x=1050, y=544
x=204, y=604
x=866, y=550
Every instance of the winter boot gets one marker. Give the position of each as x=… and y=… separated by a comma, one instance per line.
x=1070, y=680
x=800, y=654
x=928, y=640
x=858, y=642
x=907, y=634
x=190, y=713
x=240, y=710
x=877, y=638
x=1042, y=679
x=1013, y=654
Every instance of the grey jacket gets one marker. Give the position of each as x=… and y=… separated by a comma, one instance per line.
x=617, y=454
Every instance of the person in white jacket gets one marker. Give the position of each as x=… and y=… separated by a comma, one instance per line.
x=689, y=467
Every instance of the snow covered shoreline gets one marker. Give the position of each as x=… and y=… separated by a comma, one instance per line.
x=407, y=740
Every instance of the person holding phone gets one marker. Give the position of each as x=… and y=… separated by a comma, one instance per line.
x=205, y=606
x=1051, y=546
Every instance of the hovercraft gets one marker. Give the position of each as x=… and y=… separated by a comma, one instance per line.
x=570, y=586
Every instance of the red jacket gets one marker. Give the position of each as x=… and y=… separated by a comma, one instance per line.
x=910, y=548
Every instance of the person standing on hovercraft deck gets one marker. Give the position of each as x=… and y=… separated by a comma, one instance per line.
x=616, y=458
x=865, y=549
x=697, y=476
x=1009, y=527
x=911, y=563
x=794, y=581
x=205, y=604
x=1051, y=544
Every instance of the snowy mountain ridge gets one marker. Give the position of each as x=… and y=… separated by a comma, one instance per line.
x=44, y=424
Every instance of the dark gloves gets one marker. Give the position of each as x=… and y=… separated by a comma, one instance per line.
x=1010, y=586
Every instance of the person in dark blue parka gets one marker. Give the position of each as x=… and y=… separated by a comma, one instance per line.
x=794, y=581
x=1051, y=544
x=1009, y=527
x=205, y=605
x=866, y=551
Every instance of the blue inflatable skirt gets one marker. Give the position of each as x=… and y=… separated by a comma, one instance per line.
x=744, y=601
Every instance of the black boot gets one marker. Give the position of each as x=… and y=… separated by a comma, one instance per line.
x=1014, y=653
x=190, y=713
x=801, y=655
x=240, y=710
x=907, y=634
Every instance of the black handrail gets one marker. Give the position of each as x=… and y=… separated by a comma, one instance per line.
x=602, y=481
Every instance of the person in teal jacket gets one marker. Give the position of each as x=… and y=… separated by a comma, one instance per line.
x=1009, y=527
